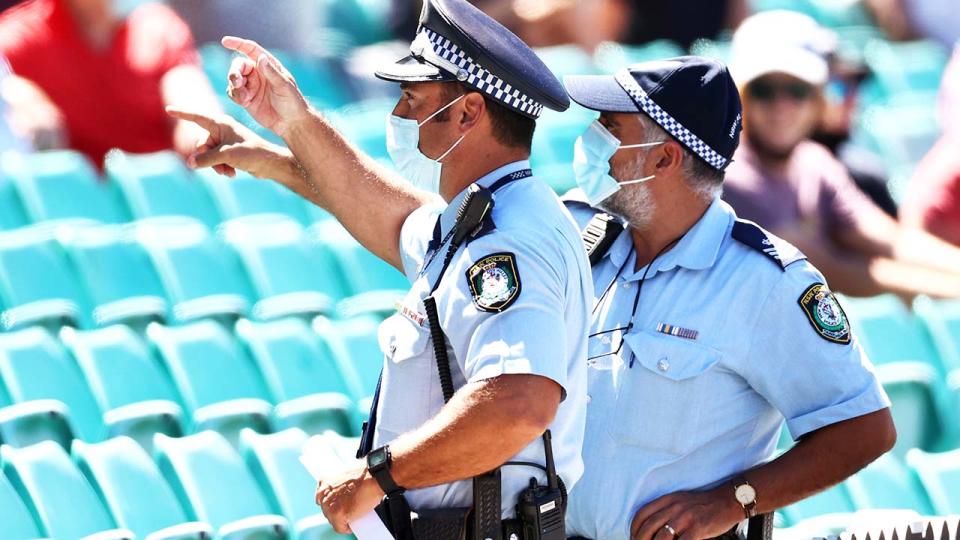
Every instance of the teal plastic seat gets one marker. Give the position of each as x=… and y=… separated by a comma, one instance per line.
x=886, y=484
x=363, y=123
x=123, y=377
x=57, y=494
x=12, y=214
x=274, y=461
x=214, y=486
x=245, y=195
x=160, y=185
x=916, y=405
x=835, y=500
x=30, y=422
x=374, y=285
x=61, y=185
x=18, y=524
x=289, y=274
x=889, y=332
x=201, y=276
x=611, y=57
x=564, y=60
x=134, y=492
x=322, y=80
x=36, y=285
x=117, y=274
x=354, y=340
x=899, y=68
x=942, y=318
x=940, y=475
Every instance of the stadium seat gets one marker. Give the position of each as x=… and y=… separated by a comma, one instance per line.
x=375, y=286
x=566, y=60
x=12, y=214
x=134, y=492
x=290, y=274
x=888, y=331
x=610, y=57
x=117, y=275
x=322, y=80
x=214, y=486
x=296, y=363
x=34, y=366
x=354, y=340
x=918, y=409
x=899, y=68
x=160, y=185
x=62, y=185
x=886, y=484
x=835, y=500
x=201, y=277
x=274, y=461
x=942, y=318
x=245, y=195
x=940, y=476
x=60, y=499
x=124, y=376
x=27, y=423
x=363, y=123
x=36, y=285
x=18, y=524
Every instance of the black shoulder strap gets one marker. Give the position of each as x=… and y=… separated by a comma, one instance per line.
x=600, y=233
x=776, y=249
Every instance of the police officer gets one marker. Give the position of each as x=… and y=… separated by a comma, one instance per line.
x=707, y=331
x=511, y=294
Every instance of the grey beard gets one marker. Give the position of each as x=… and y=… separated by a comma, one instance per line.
x=633, y=204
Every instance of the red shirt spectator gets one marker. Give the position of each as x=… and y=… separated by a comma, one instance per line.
x=933, y=202
x=109, y=97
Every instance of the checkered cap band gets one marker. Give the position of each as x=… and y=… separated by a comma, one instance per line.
x=667, y=122
x=475, y=75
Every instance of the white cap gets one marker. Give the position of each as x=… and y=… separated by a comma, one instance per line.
x=781, y=41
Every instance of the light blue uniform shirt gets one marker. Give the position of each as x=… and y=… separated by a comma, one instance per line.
x=692, y=407
x=543, y=331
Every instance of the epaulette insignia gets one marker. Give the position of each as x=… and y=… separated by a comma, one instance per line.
x=776, y=249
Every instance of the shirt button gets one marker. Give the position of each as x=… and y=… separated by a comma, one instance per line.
x=626, y=284
x=589, y=398
x=663, y=365
x=605, y=339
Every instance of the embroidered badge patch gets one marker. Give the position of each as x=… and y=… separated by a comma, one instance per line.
x=494, y=282
x=825, y=313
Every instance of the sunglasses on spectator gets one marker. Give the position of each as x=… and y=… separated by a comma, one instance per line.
x=768, y=92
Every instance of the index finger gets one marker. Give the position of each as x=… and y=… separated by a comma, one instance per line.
x=201, y=120
x=245, y=46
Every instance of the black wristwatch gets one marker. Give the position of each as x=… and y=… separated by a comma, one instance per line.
x=378, y=463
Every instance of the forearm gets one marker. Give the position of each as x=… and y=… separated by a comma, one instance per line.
x=484, y=424
x=822, y=459
x=920, y=247
x=364, y=196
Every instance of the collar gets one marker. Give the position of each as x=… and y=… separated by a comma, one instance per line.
x=697, y=250
x=449, y=216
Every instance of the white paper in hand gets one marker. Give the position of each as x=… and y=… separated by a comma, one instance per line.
x=320, y=458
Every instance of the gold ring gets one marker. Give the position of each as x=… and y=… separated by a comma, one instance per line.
x=670, y=530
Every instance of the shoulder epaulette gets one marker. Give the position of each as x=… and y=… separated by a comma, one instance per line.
x=600, y=233
x=776, y=249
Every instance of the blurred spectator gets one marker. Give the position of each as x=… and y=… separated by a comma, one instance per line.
x=108, y=68
x=9, y=138
x=795, y=188
x=682, y=21
x=938, y=20
x=933, y=202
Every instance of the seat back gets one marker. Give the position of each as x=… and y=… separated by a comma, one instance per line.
x=833, y=500
x=274, y=461
x=354, y=341
x=246, y=195
x=888, y=331
x=886, y=484
x=362, y=270
x=940, y=475
x=18, y=523
x=915, y=407
x=58, y=495
x=12, y=214
x=129, y=484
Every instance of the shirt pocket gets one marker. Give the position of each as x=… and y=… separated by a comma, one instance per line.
x=409, y=374
x=661, y=395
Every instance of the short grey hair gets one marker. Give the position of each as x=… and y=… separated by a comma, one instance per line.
x=703, y=179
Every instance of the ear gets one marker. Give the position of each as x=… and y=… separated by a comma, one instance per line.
x=669, y=158
x=472, y=112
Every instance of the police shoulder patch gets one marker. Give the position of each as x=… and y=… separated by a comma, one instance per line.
x=825, y=314
x=494, y=282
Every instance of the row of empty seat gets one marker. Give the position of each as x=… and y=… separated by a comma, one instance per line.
x=191, y=488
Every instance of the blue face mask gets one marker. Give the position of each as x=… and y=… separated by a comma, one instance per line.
x=591, y=163
x=403, y=145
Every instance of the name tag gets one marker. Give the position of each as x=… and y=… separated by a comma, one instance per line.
x=412, y=314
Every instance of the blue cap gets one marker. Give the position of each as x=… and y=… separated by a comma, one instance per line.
x=693, y=98
x=457, y=42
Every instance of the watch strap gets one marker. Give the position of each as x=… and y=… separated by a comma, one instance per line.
x=378, y=463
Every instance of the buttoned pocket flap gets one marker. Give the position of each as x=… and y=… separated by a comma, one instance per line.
x=401, y=338
x=672, y=357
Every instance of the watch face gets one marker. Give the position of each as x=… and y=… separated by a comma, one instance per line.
x=377, y=459
x=746, y=494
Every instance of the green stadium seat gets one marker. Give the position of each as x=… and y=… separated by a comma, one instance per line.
x=918, y=409
x=245, y=195
x=18, y=524
x=296, y=364
x=907, y=67
x=36, y=285
x=27, y=423
x=886, y=484
x=375, y=286
x=214, y=486
x=201, y=277
x=889, y=332
x=124, y=376
x=942, y=318
x=117, y=275
x=354, y=340
x=160, y=185
x=322, y=80
x=62, y=185
x=564, y=60
x=274, y=461
x=611, y=57
x=290, y=274
x=364, y=124
x=361, y=22
x=835, y=500
x=940, y=476
x=12, y=214
x=58, y=496
x=134, y=492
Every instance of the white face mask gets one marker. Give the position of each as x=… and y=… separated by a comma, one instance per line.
x=591, y=163
x=403, y=145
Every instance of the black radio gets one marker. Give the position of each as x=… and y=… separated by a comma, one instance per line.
x=541, y=509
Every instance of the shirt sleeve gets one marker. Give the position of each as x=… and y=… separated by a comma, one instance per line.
x=803, y=368
x=415, y=236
